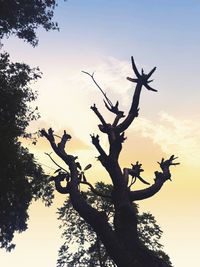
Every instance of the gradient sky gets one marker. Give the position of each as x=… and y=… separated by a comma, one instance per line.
x=101, y=36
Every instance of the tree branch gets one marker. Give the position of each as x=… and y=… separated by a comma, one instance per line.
x=119, y=116
x=96, y=219
x=160, y=179
x=49, y=155
x=108, y=103
x=104, y=125
x=95, y=142
x=66, y=137
x=141, y=80
x=104, y=94
x=148, y=192
x=58, y=179
x=59, y=149
x=60, y=188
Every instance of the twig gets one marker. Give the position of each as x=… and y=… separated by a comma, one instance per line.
x=55, y=162
x=104, y=94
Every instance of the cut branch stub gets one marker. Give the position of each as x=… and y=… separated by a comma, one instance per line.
x=142, y=78
x=165, y=164
x=95, y=139
x=49, y=136
x=66, y=137
x=50, y=131
x=114, y=109
x=101, y=118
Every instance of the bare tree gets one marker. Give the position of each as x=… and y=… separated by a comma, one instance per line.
x=121, y=242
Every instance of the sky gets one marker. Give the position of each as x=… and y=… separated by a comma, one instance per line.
x=100, y=36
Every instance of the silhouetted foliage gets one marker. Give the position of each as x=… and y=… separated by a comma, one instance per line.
x=21, y=179
x=23, y=17
x=121, y=240
x=82, y=247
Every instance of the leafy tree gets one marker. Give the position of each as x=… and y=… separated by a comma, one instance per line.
x=122, y=243
x=21, y=178
x=90, y=251
x=23, y=17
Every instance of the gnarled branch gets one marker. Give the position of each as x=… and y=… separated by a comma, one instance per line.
x=61, y=189
x=160, y=179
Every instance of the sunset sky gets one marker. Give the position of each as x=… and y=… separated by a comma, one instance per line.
x=100, y=36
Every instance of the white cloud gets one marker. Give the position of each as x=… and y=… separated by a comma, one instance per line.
x=174, y=136
x=111, y=75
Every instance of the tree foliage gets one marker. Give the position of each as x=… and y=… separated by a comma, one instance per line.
x=23, y=17
x=82, y=247
x=21, y=179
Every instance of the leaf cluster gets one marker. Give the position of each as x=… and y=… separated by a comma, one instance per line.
x=23, y=17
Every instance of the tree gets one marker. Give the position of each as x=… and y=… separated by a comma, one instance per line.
x=22, y=180
x=89, y=249
x=121, y=243
x=23, y=17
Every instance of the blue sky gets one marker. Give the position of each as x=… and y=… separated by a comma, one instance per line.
x=161, y=33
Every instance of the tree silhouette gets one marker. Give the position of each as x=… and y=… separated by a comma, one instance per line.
x=22, y=180
x=122, y=242
x=89, y=249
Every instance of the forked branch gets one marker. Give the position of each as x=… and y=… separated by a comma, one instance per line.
x=96, y=219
